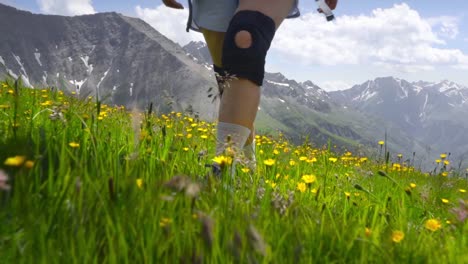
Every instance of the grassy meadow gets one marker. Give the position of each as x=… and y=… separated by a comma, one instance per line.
x=84, y=182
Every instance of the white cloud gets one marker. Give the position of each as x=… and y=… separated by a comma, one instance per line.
x=445, y=26
x=397, y=37
x=66, y=7
x=169, y=22
x=335, y=85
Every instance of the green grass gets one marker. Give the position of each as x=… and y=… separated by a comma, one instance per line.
x=92, y=183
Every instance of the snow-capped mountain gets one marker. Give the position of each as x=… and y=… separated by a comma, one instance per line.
x=399, y=100
x=121, y=59
x=435, y=113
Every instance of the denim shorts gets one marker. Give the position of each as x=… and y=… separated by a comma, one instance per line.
x=216, y=14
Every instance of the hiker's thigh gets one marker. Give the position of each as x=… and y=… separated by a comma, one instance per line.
x=276, y=9
x=214, y=41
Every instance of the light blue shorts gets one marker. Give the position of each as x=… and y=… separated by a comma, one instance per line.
x=216, y=14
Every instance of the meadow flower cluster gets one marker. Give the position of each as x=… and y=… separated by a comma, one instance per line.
x=83, y=181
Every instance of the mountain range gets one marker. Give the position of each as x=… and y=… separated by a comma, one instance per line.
x=121, y=59
x=124, y=61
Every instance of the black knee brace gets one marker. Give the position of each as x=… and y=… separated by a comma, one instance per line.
x=248, y=63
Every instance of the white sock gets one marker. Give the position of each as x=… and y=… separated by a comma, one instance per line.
x=238, y=136
x=249, y=155
x=249, y=151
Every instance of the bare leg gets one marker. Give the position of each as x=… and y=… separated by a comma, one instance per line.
x=241, y=98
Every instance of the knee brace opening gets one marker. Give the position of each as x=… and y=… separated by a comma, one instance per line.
x=246, y=44
x=243, y=39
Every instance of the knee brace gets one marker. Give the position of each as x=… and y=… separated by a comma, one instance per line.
x=248, y=63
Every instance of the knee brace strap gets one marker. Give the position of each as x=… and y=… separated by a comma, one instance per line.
x=220, y=75
x=248, y=62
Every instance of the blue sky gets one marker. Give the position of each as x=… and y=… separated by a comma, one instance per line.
x=413, y=39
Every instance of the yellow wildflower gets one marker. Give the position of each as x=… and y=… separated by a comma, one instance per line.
x=446, y=162
x=368, y=232
x=139, y=183
x=223, y=160
x=462, y=190
x=443, y=156
x=314, y=190
x=74, y=145
x=269, y=162
x=381, y=142
x=397, y=236
x=412, y=185
x=333, y=159
x=433, y=225
x=245, y=170
x=444, y=174
x=204, y=136
x=292, y=163
x=29, y=164
x=309, y=178
x=165, y=222
x=437, y=161
x=15, y=161
x=445, y=201
x=186, y=149
x=302, y=187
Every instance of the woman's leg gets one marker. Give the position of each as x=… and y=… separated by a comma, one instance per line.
x=241, y=98
x=214, y=41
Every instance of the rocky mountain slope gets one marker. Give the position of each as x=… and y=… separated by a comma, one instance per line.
x=121, y=59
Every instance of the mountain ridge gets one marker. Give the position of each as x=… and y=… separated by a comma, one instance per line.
x=120, y=59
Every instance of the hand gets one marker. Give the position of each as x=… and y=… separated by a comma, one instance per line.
x=332, y=3
x=174, y=4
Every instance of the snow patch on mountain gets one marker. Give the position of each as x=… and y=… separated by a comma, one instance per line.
x=77, y=84
x=423, y=111
x=18, y=59
x=103, y=77
x=2, y=61
x=26, y=82
x=89, y=67
x=278, y=83
x=37, y=55
x=44, y=77
x=12, y=74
